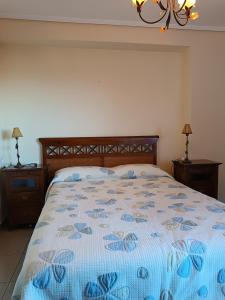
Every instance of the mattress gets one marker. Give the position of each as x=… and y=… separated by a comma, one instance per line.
x=134, y=237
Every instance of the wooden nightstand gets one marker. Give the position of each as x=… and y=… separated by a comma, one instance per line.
x=200, y=175
x=23, y=194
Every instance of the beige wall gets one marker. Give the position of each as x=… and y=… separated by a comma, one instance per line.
x=135, y=76
x=67, y=91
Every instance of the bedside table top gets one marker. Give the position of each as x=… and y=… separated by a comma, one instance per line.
x=25, y=168
x=197, y=162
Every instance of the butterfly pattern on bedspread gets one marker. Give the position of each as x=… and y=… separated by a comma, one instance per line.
x=135, y=238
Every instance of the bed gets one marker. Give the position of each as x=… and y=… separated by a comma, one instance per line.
x=118, y=227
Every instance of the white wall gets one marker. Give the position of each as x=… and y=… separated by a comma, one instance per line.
x=61, y=91
x=53, y=78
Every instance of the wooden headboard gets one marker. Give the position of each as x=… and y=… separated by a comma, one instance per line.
x=58, y=153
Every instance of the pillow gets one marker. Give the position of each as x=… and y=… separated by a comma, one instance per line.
x=81, y=173
x=133, y=171
x=130, y=171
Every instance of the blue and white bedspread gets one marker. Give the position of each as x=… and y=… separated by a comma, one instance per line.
x=146, y=238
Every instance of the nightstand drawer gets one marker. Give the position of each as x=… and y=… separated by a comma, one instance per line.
x=201, y=174
x=202, y=187
x=23, y=183
x=26, y=215
x=26, y=199
x=206, y=191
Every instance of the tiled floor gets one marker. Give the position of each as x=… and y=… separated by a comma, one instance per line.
x=12, y=250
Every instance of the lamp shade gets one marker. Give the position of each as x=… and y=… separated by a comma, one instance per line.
x=16, y=133
x=187, y=129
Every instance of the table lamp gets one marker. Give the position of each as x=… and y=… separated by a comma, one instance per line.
x=187, y=130
x=17, y=134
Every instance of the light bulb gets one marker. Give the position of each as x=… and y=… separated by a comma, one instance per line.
x=139, y=2
x=163, y=29
x=189, y=3
x=194, y=16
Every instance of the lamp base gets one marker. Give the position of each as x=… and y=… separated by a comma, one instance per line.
x=18, y=165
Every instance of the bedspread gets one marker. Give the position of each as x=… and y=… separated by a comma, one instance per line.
x=116, y=239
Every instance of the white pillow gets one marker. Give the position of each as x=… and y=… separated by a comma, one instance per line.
x=81, y=173
x=130, y=171
x=133, y=171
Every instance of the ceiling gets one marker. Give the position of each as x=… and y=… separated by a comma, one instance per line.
x=116, y=12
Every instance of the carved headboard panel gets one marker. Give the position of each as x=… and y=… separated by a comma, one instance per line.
x=59, y=153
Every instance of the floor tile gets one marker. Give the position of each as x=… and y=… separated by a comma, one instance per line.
x=8, y=265
x=8, y=294
x=14, y=241
x=3, y=287
x=10, y=286
x=12, y=251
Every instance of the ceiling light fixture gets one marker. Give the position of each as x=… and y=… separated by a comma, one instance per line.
x=180, y=9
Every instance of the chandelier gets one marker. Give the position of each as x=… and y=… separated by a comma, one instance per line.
x=180, y=9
